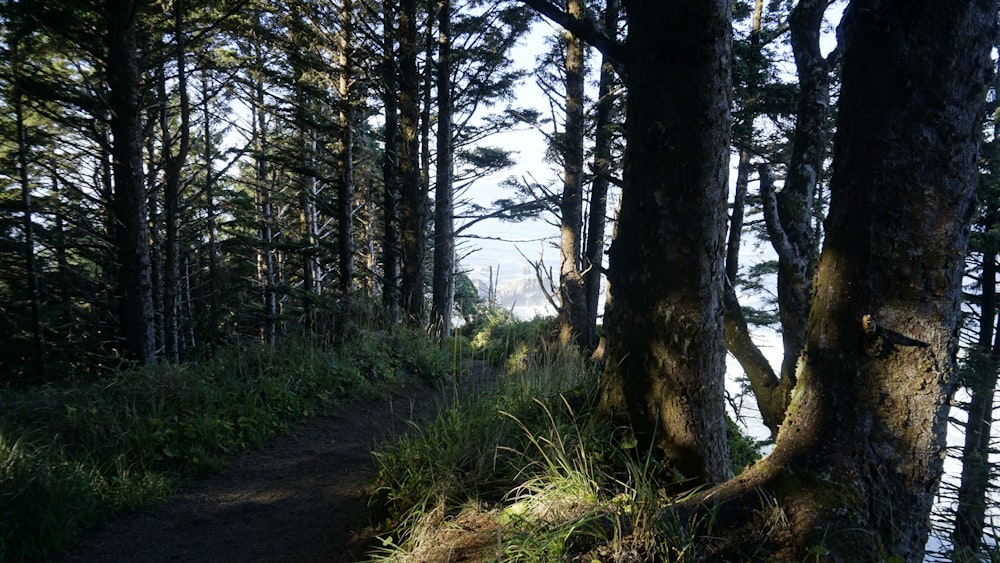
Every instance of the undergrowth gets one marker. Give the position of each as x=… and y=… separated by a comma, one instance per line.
x=528, y=472
x=72, y=455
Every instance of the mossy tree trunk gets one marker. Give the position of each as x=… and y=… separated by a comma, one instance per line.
x=666, y=355
x=860, y=454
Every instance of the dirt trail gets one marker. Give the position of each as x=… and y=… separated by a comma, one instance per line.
x=298, y=498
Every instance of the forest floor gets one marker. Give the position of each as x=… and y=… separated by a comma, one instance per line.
x=300, y=497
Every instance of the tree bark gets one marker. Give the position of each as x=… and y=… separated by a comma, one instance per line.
x=345, y=192
x=859, y=456
x=134, y=285
x=572, y=298
x=413, y=212
x=391, y=274
x=597, y=221
x=666, y=355
x=444, y=229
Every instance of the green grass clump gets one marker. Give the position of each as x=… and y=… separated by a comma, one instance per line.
x=71, y=455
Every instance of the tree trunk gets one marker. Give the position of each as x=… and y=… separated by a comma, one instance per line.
x=266, y=259
x=30, y=264
x=572, y=298
x=134, y=285
x=391, y=274
x=413, y=217
x=444, y=231
x=859, y=456
x=597, y=221
x=970, y=515
x=981, y=379
x=211, y=219
x=173, y=165
x=666, y=355
x=345, y=188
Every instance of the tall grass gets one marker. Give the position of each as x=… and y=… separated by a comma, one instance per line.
x=73, y=455
x=547, y=478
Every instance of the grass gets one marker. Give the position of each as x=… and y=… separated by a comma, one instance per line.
x=73, y=455
x=529, y=472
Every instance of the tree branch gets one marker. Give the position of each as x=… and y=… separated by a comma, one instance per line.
x=586, y=29
x=769, y=201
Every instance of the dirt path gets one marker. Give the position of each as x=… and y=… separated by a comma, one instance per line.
x=298, y=498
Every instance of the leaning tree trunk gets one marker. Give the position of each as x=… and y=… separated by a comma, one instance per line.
x=859, y=456
x=134, y=284
x=666, y=355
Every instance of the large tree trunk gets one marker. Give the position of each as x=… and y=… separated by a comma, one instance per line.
x=444, y=230
x=413, y=212
x=859, y=456
x=572, y=298
x=666, y=355
x=134, y=285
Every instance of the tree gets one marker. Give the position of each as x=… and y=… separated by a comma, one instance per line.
x=15, y=34
x=859, y=455
x=573, y=313
x=604, y=135
x=978, y=371
x=413, y=208
x=442, y=285
x=134, y=285
x=666, y=357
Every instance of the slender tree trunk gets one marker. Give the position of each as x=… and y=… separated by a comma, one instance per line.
x=666, y=355
x=134, y=288
x=391, y=270
x=266, y=259
x=211, y=225
x=859, y=456
x=173, y=165
x=970, y=515
x=345, y=192
x=30, y=263
x=413, y=217
x=573, y=314
x=597, y=221
x=444, y=232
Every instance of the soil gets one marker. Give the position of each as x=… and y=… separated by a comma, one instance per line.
x=298, y=498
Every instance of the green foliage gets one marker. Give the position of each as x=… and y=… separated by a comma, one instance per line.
x=506, y=342
x=567, y=484
x=71, y=455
